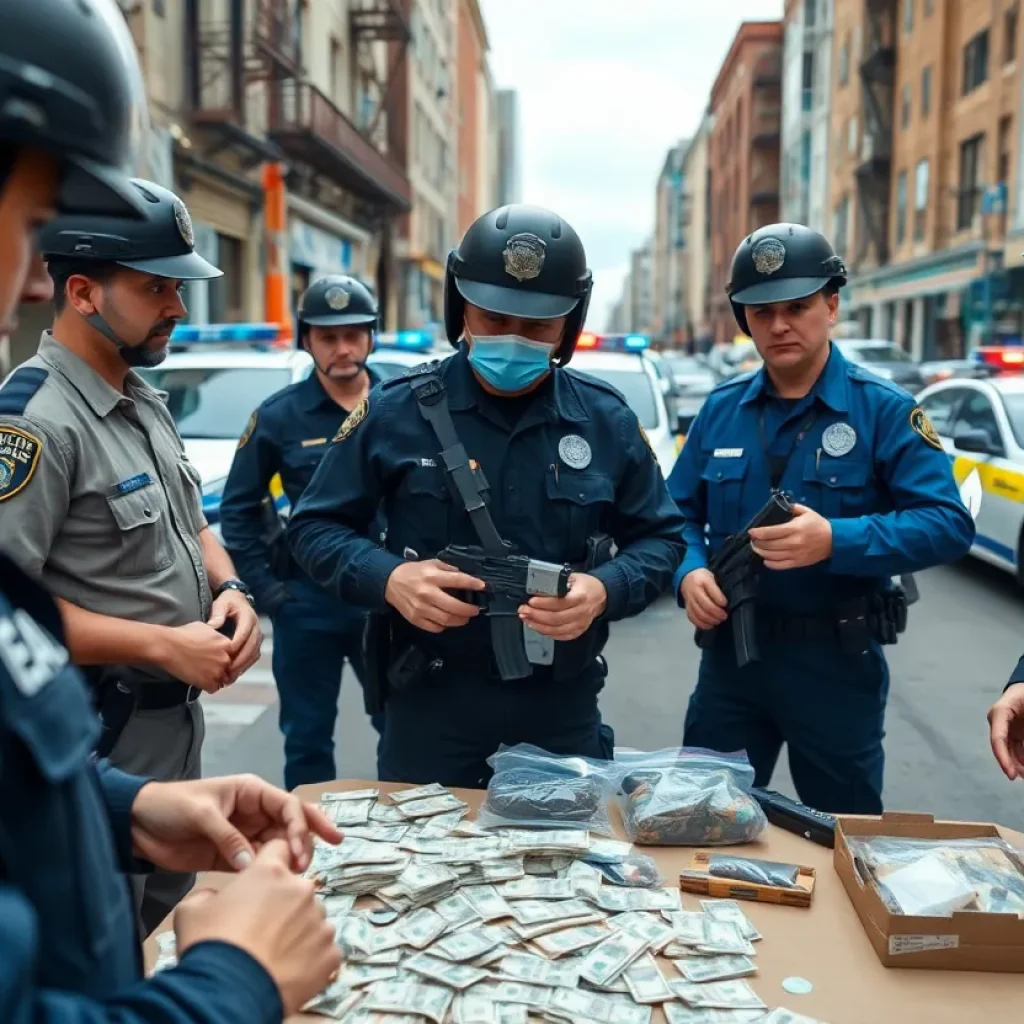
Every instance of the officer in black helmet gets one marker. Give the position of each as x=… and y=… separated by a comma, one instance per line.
x=874, y=499
x=314, y=632
x=70, y=98
x=502, y=448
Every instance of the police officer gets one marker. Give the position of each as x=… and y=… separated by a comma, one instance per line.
x=69, y=87
x=100, y=504
x=314, y=632
x=547, y=460
x=875, y=498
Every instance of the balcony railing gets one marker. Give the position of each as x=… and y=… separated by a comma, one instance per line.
x=765, y=127
x=768, y=70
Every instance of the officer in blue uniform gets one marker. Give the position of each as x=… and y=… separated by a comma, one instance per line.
x=875, y=498
x=545, y=459
x=70, y=95
x=314, y=631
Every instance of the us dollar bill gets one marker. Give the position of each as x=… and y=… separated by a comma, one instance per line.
x=725, y=937
x=657, y=933
x=622, y=900
x=732, y=912
x=538, y=971
x=721, y=995
x=410, y=997
x=536, y=911
x=605, y=962
x=351, y=794
x=421, y=928
x=487, y=902
x=571, y=940
x=456, y=910
x=698, y=969
x=467, y=945
x=445, y=972
x=679, y=1013
x=645, y=982
x=430, y=807
x=539, y=889
x=690, y=926
x=504, y=870
x=401, y=796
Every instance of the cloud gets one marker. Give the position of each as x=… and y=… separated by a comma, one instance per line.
x=605, y=89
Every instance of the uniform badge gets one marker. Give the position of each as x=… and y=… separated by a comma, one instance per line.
x=838, y=439
x=524, y=256
x=337, y=298
x=184, y=222
x=921, y=425
x=19, y=456
x=769, y=254
x=354, y=418
x=574, y=451
x=247, y=433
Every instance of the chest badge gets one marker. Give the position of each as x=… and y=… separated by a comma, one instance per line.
x=574, y=451
x=838, y=439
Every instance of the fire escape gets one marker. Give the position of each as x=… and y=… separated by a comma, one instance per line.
x=874, y=172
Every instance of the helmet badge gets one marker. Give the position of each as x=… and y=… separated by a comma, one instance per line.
x=769, y=254
x=524, y=256
x=337, y=298
x=184, y=222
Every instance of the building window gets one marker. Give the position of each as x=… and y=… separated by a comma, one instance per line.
x=905, y=106
x=805, y=157
x=926, y=92
x=970, y=169
x=1003, y=168
x=807, y=81
x=901, y=208
x=159, y=8
x=810, y=12
x=844, y=63
x=929, y=7
x=851, y=135
x=975, y=62
x=226, y=301
x=908, y=16
x=840, y=225
x=921, y=175
x=1010, y=22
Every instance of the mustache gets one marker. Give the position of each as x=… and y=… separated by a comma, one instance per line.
x=163, y=327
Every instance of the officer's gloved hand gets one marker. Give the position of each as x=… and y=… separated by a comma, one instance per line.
x=270, y=600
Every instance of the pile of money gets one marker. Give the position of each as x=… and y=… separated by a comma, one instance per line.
x=439, y=921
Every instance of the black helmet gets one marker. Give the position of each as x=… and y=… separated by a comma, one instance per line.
x=520, y=261
x=338, y=301
x=162, y=244
x=778, y=263
x=70, y=84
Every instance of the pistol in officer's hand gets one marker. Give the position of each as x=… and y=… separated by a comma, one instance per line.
x=418, y=591
x=805, y=540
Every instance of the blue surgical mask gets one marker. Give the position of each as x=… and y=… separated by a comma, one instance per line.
x=508, y=362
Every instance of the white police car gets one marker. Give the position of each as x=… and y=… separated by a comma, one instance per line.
x=619, y=360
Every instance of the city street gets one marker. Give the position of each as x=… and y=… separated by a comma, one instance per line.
x=964, y=637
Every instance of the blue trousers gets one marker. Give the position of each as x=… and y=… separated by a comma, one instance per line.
x=826, y=706
x=313, y=638
x=445, y=729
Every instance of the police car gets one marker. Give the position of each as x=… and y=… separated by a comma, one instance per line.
x=981, y=426
x=620, y=360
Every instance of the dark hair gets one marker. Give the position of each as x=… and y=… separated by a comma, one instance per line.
x=832, y=288
x=62, y=269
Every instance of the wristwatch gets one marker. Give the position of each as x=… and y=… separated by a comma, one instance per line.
x=236, y=584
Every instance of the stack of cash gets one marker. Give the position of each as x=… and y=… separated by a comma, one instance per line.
x=439, y=921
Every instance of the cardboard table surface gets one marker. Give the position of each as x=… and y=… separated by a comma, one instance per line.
x=824, y=944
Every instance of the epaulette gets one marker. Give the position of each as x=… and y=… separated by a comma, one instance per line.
x=417, y=371
x=866, y=376
x=732, y=382
x=20, y=388
x=596, y=382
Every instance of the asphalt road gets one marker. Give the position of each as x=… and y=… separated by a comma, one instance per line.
x=965, y=635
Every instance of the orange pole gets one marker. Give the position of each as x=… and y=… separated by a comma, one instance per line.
x=275, y=282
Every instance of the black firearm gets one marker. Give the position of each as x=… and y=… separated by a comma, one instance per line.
x=510, y=580
x=795, y=817
x=735, y=566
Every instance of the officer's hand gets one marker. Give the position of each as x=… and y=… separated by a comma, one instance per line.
x=566, y=618
x=418, y=592
x=706, y=605
x=196, y=654
x=272, y=915
x=805, y=540
x=218, y=824
x=247, y=637
x=1006, y=724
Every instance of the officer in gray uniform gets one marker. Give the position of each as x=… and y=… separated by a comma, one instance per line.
x=99, y=503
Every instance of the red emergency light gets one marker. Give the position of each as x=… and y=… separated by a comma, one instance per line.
x=587, y=340
x=1010, y=358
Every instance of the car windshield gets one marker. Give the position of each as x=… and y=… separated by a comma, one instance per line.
x=682, y=366
x=637, y=389
x=214, y=403
x=873, y=352
x=1014, y=405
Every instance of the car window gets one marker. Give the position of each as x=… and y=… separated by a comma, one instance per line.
x=215, y=403
x=637, y=390
x=1014, y=406
x=976, y=413
x=941, y=407
x=682, y=366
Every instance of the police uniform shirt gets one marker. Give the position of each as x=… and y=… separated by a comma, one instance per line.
x=97, y=498
x=575, y=463
x=287, y=435
x=857, y=449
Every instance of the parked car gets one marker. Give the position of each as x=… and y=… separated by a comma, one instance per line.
x=884, y=358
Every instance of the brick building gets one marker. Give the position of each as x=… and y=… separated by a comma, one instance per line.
x=744, y=153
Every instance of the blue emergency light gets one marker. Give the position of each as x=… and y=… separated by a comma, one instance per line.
x=409, y=341
x=191, y=334
x=613, y=342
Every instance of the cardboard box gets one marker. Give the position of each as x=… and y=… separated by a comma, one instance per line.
x=965, y=941
x=696, y=880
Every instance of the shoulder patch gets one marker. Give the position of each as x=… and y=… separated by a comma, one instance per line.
x=249, y=428
x=416, y=371
x=354, y=418
x=20, y=388
x=596, y=382
x=921, y=425
x=19, y=456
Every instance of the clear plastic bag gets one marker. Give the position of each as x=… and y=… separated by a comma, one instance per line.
x=629, y=762
x=684, y=805
x=938, y=877
x=532, y=788
x=637, y=871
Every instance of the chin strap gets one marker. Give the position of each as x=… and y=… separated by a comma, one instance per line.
x=133, y=355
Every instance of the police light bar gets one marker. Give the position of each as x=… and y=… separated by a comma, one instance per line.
x=409, y=341
x=191, y=334
x=613, y=342
x=1010, y=357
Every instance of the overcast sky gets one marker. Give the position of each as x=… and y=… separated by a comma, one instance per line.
x=606, y=87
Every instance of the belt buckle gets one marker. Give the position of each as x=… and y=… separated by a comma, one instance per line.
x=193, y=694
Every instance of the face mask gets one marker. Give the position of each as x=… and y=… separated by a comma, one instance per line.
x=508, y=362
